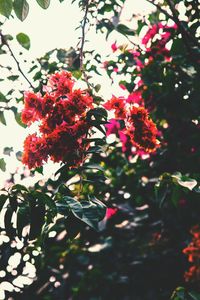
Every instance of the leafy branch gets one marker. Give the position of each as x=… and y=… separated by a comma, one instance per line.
x=4, y=42
x=83, y=34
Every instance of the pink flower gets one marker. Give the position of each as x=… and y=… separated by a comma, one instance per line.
x=122, y=86
x=110, y=212
x=114, y=47
x=105, y=64
x=135, y=97
x=112, y=127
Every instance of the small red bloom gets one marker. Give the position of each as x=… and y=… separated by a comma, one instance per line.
x=114, y=47
x=110, y=212
x=61, y=83
x=112, y=127
x=118, y=105
x=193, y=253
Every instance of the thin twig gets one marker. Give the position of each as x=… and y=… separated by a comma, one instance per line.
x=185, y=34
x=83, y=27
x=134, y=44
x=83, y=35
x=4, y=42
x=161, y=9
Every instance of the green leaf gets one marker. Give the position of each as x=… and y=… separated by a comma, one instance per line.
x=75, y=206
x=6, y=7
x=23, y=40
x=13, y=202
x=13, y=77
x=98, y=112
x=89, y=212
x=2, y=98
x=178, y=294
x=184, y=181
x=123, y=29
x=8, y=37
x=2, y=118
x=3, y=199
x=22, y=219
x=2, y=165
x=188, y=183
x=21, y=8
x=77, y=74
x=7, y=150
x=93, y=212
x=48, y=201
x=19, y=188
x=194, y=295
x=93, y=166
x=97, y=88
x=44, y=3
x=39, y=170
x=73, y=226
x=37, y=216
x=18, y=117
x=8, y=222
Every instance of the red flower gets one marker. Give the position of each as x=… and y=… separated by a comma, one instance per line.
x=63, y=127
x=61, y=83
x=112, y=127
x=193, y=253
x=35, y=151
x=114, y=47
x=135, y=97
x=139, y=130
x=32, y=107
x=110, y=212
x=118, y=105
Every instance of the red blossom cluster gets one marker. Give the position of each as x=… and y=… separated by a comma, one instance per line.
x=139, y=131
x=61, y=113
x=193, y=253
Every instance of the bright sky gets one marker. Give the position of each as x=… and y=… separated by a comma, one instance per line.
x=49, y=29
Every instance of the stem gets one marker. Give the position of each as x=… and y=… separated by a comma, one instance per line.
x=185, y=34
x=188, y=39
x=83, y=27
x=83, y=35
x=4, y=42
x=161, y=9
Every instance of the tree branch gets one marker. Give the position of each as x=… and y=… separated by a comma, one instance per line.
x=83, y=35
x=187, y=37
x=161, y=9
x=4, y=42
x=83, y=27
x=185, y=34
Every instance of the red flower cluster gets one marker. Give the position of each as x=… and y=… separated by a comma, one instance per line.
x=193, y=253
x=62, y=125
x=139, y=130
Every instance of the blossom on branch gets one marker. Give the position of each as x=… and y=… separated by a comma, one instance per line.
x=61, y=113
x=138, y=131
x=193, y=253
